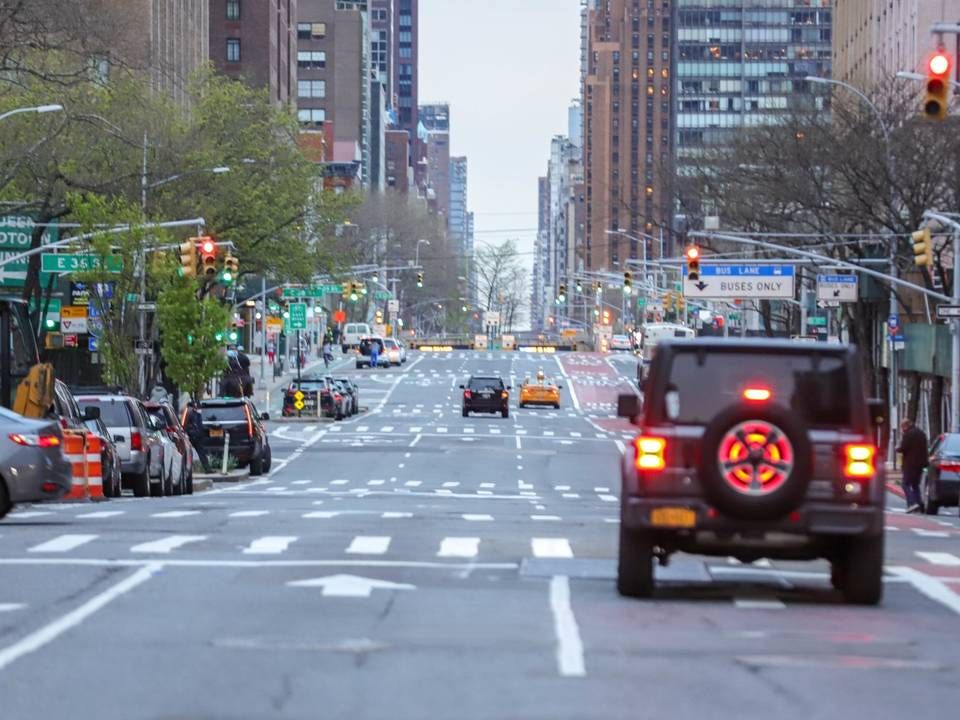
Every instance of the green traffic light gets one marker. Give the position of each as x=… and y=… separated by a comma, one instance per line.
x=353, y=297
x=218, y=337
x=51, y=324
x=233, y=336
x=227, y=276
x=419, y=284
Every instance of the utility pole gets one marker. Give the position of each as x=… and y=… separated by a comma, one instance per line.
x=142, y=260
x=955, y=355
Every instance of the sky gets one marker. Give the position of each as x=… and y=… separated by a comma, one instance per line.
x=509, y=69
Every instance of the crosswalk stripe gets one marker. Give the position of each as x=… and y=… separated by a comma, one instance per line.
x=451, y=483
x=551, y=548
x=416, y=429
x=167, y=544
x=363, y=428
x=175, y=514
x=441, y=430
x=477, y=517
x=249, y=513
x=269, y=545
x=469, y=430
x=101, y=514
x=467, y=547
x=376, y=482
x=63, y=543
x=608, y=498
x=546, y=518
x=339, y=482
x=575, y=434
x=494, y=431
x=939, y=558
x=386, y=428
x=369, y=545
x=488, y=485
x=548, y=433
x=395, y=515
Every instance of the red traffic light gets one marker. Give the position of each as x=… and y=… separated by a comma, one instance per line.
x=208, y=247
x=693, y=252
x=939, y=63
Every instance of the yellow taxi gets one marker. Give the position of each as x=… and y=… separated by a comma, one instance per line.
x=540, y=391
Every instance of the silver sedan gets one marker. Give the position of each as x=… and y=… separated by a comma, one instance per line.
x=32, y=464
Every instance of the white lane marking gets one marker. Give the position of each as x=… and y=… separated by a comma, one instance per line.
x=620, y=446
x=601, y=489
x=10, y=607
x=930, y=533
x=249, y=513
x=415, y=429
x=301, y=482
x=570, y=660
x=451, y=483
x=488, y=485
x=396, y=515
x=340, y=482
x=608, y=498
x=309, y=428
x=494, y=431
x=477, y=517
x=933, y=588
x=413, y=483
x=320, y=515
x=545, y=518
x=748, y=604
x=386, y=429
x=175, y=514
x=63, y=543
x=570, y=496
x=459, y=547
x=441, y=429
x=548, y=433
x=575, y=434
x=29, y=514
x=376, y=482
x=518, y=440
x=561, y=487
x=48, y=633
x=469, y=430
x=362, y=428
x=101, y=514
x=415, y=440
x=570, y=388
x=369, y=545
x=939, y=558
x=551, y=548
x=269, y=545
x=167, y=544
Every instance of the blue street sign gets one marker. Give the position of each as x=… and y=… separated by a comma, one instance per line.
x=893, y=322
x=837, y=279
x=93, y=344
x=743, y=270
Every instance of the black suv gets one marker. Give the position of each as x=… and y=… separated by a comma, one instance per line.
x=238, y=419
x=486, y=394
x=754, y=449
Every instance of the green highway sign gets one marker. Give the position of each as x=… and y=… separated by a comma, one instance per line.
x=817, y=321
x=383, y=295
x=16, y=233
x=298, y=316
x=52, y=263
x=315, y=291
x=641, y=302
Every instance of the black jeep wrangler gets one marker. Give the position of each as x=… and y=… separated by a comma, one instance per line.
x=754, y=449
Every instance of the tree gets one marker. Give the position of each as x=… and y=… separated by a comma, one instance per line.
x=501, y=280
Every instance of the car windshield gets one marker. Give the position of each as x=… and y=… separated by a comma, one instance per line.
x=815, y=386
x=114, y=412
x=223, y=413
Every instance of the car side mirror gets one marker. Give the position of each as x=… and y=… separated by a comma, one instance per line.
x=265, y=416
x=628, y=405
x=463, y=387
x=91, y=413
x=878, y=411
x=509, y=387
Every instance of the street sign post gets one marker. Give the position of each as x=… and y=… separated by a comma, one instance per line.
x=393, y=306
x=53, y=263
x=719, y=281
x=837, y=288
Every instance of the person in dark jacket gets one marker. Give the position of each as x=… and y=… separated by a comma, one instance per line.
x=193, y=425
x=913, y=448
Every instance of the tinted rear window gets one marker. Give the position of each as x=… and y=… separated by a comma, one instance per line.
x=485, y=384
x=951, y=446
x=815, y=386
x=223, y=413
x=114, y=413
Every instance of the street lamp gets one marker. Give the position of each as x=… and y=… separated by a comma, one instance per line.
x=891, y=170
x=39, y=109
x=420, y=242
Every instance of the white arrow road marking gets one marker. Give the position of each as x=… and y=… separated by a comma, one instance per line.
x=349, y=585
x=167, y=544
x=63, y=543
x=270, y=545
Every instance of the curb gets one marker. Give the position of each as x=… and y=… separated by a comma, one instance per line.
x=231, y=477
x=202, y=484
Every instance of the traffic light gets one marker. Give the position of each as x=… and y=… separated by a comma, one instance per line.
x=231, y=269
x=562, y=295
x=354, y=292
x=922, y=247
x=597, y=287
x=208, y=257
x=627, y=282
x=419, y=279
x=579, y=287
x=379, y=317
x=188, y=257
x=937, y=98
x=693, y=263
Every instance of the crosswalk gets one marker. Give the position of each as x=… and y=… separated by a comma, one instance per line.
x=335, y=433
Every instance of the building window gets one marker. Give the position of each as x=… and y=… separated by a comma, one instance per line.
x=312, y=88
x=311, y=31
x=233, y=9
x=233, y=50
x=311, y=60
x=315, y=116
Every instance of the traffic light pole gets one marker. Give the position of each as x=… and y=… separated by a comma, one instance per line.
x=955, y=323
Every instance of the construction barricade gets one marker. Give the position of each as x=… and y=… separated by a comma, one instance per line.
x=83, y=450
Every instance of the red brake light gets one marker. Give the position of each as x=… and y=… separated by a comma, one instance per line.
x=467, y=394
x=44, y=441
x=136, y=441
x=504, y=394
x=947, y=466
x=859, y=461
x=757, y=394
x=650, y=452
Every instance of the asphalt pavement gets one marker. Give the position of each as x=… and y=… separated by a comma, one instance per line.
x=412, y=563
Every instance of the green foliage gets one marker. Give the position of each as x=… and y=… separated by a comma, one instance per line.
x=187, y=328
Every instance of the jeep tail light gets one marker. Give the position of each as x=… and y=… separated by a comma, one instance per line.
x=650, y=453
x=859, y=461
x=136, y=441
x=757, y=394
x=246, y=410
x=467, y=394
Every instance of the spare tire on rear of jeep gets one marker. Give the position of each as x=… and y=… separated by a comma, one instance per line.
x=755, y=462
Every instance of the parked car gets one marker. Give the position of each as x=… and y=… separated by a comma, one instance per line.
x=32, y=464
x=66, y=409
x=940, y=484
x=316, y=398
x=236, y=420
x=183, y=480
x=354, y=390
x=140, y=446
x=110, y=470
x=352, y=334
x=393, y=354
x=342, y=398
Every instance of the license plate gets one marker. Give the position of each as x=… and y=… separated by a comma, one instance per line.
x=673, y=517
x=216, y=432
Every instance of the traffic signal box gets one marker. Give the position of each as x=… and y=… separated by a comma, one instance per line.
x=936, y=101
x=562, y=296
x=208, y=258
x=188, y=257
x=627, y=282
x=922, y=247
x=693, y=262
x=231, y=269
x=419, y=279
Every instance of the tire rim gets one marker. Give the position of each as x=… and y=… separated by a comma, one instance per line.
x=755, y=458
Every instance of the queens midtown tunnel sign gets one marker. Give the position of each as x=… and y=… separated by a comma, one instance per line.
x=728, y=280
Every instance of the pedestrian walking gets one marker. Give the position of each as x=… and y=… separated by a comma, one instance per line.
x=271, y=352
x=913, y=448
x=193, y=425
x=327, y=353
